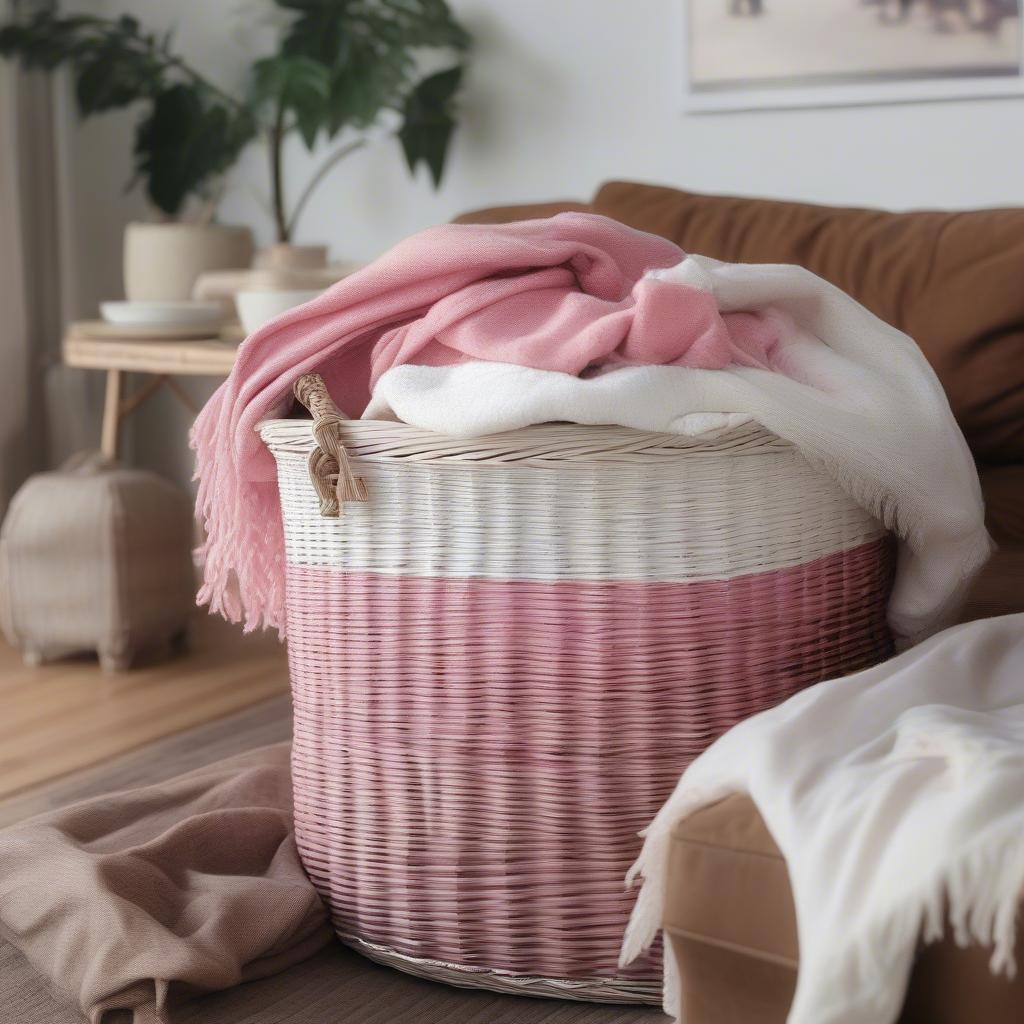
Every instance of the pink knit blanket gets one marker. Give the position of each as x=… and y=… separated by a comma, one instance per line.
x=561, y=294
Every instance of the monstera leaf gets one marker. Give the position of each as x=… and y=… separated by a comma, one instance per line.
x=367, y=51
x=428, y=123
x=190, y=131
x=341, y=65
x=297, y=85
x=184, y=142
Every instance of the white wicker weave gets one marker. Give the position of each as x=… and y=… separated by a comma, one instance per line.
x=505, y=649
x=569, y=515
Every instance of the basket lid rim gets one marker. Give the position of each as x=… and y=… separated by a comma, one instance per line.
x=552, y=442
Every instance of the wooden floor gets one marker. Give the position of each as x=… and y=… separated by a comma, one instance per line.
x=69, y=715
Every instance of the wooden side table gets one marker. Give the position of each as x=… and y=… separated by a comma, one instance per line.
x=163, y=361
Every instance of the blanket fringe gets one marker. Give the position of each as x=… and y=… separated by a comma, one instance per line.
x=241, y=555
x=978, y=895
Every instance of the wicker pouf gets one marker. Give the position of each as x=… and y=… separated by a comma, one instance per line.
x=96, y=557
x=502, y=660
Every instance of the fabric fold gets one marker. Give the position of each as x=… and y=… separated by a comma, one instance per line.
x=567, y=293
x=895, y=796
x=134, y=900
x=855, y=396
x=479, y=329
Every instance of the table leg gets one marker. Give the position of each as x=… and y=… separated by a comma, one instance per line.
x=182, y=395
x=110, y=436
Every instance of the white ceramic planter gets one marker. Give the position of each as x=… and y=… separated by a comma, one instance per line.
x=162, y=261
x=255, y=308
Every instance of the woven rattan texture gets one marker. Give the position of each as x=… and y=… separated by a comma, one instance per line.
x=483, y=724
x=744, y=508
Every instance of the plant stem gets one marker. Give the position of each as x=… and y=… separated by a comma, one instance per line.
x=335, y=158
x=277, y=136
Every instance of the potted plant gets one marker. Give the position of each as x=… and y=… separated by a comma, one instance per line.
x=189, y=134
x=341, y=67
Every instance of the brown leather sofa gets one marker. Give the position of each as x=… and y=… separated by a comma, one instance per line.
x=953, y=281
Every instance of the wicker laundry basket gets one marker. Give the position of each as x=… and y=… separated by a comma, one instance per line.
x=504, y=656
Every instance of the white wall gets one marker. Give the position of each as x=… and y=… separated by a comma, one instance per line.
x=564, y=94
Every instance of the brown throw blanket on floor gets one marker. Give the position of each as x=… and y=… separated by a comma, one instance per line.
x=133, y=900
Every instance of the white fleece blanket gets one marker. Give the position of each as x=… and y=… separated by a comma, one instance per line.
x=891, y=793
x=855, y=395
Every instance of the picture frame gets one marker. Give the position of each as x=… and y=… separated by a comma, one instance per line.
x=705, y=45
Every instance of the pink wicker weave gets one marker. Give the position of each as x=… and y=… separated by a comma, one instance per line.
x=475, y=753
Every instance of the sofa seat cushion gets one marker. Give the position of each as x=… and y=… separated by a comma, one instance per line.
x=1003, y=490
x=998, y=589
x=731, y=929
x=952, y=281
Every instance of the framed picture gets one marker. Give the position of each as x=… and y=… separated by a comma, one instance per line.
x=751, y=54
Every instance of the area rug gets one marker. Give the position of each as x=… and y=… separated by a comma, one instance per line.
x=336, y=984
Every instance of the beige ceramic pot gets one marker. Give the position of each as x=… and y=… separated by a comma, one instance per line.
x=162, y=261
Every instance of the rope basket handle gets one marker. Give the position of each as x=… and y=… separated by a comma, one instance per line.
x=329, y=467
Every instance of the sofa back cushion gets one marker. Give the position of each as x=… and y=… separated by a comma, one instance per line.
x=953, y=281
x=521, y=211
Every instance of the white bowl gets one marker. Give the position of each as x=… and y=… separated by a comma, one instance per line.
x=185, y=313
x=257, y=308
